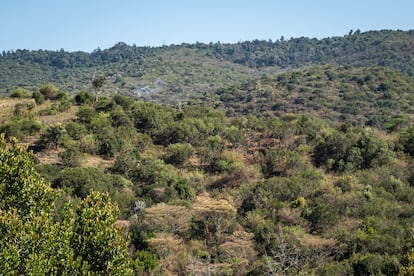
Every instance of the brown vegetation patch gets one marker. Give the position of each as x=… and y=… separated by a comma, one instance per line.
x=122, y=224
x=60, y=117
x=96, y=161
x=206, y=204
x=7, y=107
x=49, y=156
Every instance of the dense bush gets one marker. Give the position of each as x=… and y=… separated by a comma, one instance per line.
x=84, y=97
x=38, y=97
x=20, y=93
x=80, y=181
x=21, y=127
x=52, y=137
x=281, y=162
x=351, y=149
x=178, y=154
x=49, y=91
x=407, y=140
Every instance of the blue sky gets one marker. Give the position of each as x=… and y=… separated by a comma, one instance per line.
x=88, y=24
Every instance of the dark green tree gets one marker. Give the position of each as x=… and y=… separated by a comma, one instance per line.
x=281, y=162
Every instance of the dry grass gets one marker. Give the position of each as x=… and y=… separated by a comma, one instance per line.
x=49, y=156
x=122, y=224
x=7, y=107
x=60, y=117
x=238, y=245
x=168, y=218
x=96, y=161
x=165, y=243
x=316, y=242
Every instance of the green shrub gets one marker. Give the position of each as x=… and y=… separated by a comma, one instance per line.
x=322, y=216
x=52, y=137
x=48, y=171
x=281, y=162
x=119, y=118
x=23, y=109
x=75, y=130
x=109, y=144
x=20, y=93
x=64, y=105
x=351, y=149
x=185, y=191
x=38, y=97
x=178, y=154
x=375, y=264
x=49, y=91
x=125, y=102
x=21, y=127
x=125, y=163
x=80, y=181
x=104, y=105
x=342, y=268
x=407, y=140
x=146, y=260
x=84, y=97
x=85, y=115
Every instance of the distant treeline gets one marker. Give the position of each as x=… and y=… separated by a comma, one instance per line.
x=382, y=48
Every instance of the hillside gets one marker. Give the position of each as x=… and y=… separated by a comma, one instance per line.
x=183, y=72
x=198, y=190
x=373, y=96
x=293, y=157
x=162, y=74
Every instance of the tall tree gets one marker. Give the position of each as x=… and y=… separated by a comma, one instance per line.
x=98, y=83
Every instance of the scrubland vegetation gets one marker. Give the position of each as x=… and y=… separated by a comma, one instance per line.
x=303, y=172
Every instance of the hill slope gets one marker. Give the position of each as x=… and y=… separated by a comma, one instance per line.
x=374, y=96
x=231, y=193
x=186, y=71
x=200, y=191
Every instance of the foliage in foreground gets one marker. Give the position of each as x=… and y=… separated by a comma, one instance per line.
x=35, y=240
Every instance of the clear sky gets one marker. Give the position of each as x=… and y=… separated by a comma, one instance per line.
x=86, y=25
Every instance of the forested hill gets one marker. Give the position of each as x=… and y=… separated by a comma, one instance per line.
x=190, y=68
x=383, y=48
